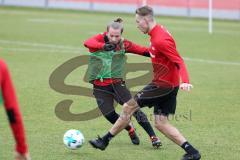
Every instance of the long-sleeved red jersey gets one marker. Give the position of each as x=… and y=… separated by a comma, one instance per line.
x=12, y=108
x=97, y=42
x=163, y=52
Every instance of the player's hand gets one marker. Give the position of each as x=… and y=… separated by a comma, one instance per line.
x=186, y=86
x=109, y=47
x=146, y=54
x=19, y=156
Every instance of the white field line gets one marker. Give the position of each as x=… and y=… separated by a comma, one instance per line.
x=80, y=22
x=38, y=50
x=205, y=61
x=211, y=61
x=191, y=23
x=23, y=43
x=68, y=49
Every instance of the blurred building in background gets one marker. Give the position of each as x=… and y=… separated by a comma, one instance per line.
x=222, y=9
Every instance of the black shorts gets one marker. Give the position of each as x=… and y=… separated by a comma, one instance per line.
x=105, y=96
x=164, y=100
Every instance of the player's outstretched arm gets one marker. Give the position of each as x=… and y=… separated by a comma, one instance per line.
x=134, y=48
x=12, y=110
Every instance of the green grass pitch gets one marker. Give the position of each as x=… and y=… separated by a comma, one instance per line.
x=35, y=42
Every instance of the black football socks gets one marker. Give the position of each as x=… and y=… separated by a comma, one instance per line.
x=189, y=148
x=107, y=137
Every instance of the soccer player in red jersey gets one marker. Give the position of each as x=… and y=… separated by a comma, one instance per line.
x=109, y=50
x=12, y=109
x=161, y=93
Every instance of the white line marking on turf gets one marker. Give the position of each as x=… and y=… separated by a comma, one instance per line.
x=55, y=21
x=76, y=15
x=132, y=25
x=39, y=50
x=39, y=45
x=64, y=21
x=75, y=49
x=205, y=61
x=211, y=61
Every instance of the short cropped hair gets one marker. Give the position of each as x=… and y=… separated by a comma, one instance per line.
x=144, y=11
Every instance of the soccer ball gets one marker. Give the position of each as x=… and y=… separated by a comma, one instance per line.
x=73, y=139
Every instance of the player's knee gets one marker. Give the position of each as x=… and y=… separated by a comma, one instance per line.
x=126, y=113
x=132, y=103
x=160, y=124
x=130, y=107
x=127, y=109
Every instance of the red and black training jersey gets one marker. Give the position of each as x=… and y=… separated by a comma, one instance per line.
x=168, y=66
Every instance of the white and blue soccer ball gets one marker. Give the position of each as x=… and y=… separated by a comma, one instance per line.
x=73, y=139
